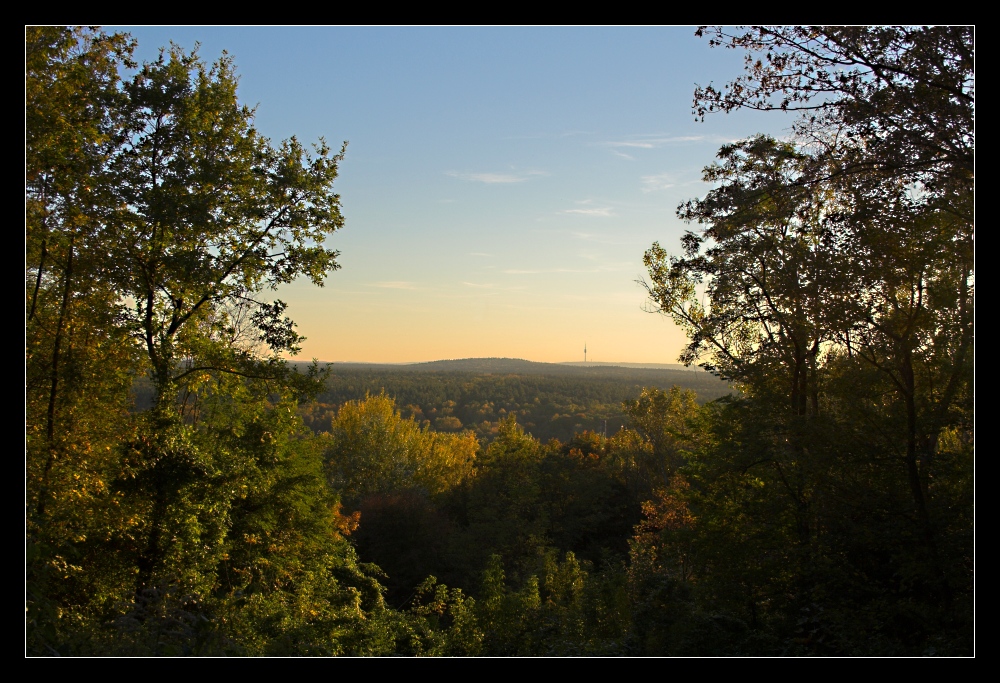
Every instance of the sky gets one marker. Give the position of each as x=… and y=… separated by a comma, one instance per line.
x=500, y=185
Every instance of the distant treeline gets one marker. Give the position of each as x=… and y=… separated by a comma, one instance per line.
x=548, y=406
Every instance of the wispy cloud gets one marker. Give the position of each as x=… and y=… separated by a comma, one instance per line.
x=629, y=143
x=595, y=211
x=651, y=141
x=600, y=269
x=664, y=181
x=393, y=285
x=655, y=140
x=659, y=181
x=587, y=209
x=497, y=178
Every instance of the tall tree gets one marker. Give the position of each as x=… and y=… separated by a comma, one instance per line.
x=79, y=361
x=838, y=279
x=890, y=113
x=208, y=214
x=71, y=87
x=158, y=217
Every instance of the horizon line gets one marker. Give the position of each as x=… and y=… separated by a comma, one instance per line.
x=507, y=358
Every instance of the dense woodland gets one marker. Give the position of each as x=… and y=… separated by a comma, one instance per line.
x=189, y=492
x=548, y=401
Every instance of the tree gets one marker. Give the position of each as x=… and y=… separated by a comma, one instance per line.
x=70, y=89
x=663, y=419
x=79, y=362
x=392, y=473
x=901, y=97
x=374, y=450
x=157, y=217
x=833, y=281
x=205, y=215
x=891, y=112
x=208, y=215
x=773, y=286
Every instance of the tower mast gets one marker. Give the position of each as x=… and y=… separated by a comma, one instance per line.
x=584, y=352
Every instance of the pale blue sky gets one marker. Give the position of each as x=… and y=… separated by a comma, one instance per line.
x=500, y=185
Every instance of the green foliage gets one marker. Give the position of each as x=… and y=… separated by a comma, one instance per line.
x=78, y=360
x=549, y=406
x=390, y=470
x=667, y=421
x=563, y=609
x=374, y=450
x=838, y=282
x=443, y=622
x=507, y=616
x=525, y=497
x=502, y=513
x=904, y=95
x=156, y=214
x=206, y=214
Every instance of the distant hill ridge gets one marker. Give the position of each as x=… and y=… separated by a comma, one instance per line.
x=648, y=366
x=519, y=366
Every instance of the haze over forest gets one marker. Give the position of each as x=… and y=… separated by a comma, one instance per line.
x=767, y=450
